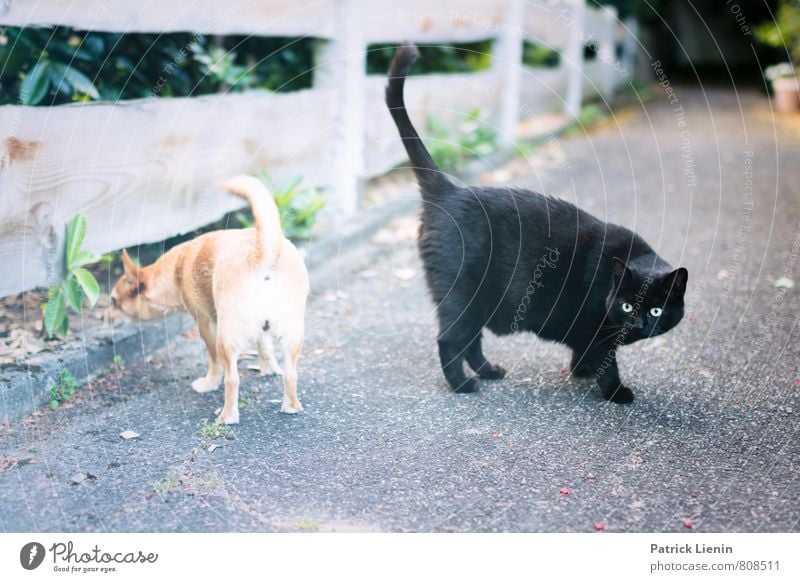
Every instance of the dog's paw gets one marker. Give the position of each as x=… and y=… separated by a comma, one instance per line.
x=270, y=370
x=492, y=373
x=203, y=385
x=289, y=407
x=228, y=417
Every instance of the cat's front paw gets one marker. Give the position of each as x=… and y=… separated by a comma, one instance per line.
x=467, y=386
x=620, y=395
x=492, y=372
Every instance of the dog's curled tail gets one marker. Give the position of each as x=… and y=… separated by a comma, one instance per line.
x=429, y=176
x=269, y=234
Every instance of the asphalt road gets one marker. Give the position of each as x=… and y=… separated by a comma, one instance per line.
x=710, y=443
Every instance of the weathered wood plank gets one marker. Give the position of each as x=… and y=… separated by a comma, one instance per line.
x=418, y=20
x=272, y=18
x=144, y=170
x=421, y=21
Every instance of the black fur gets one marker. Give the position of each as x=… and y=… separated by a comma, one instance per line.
x=514, y=260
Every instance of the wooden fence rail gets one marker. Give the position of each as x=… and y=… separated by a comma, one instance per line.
x=144, y=170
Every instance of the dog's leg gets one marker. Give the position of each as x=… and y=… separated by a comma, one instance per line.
x=230, y=410
x=291, y=351
x=266, y=356
x=211, y=380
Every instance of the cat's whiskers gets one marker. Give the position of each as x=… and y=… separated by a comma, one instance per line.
x=612, y=332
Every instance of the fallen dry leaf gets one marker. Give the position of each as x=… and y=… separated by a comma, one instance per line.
x=79, y=478
x=7, y=463
x=404, y=273
x=599, y=526
x=564, y=491
x=784, y=283
x=384, y=237
x=687, y=523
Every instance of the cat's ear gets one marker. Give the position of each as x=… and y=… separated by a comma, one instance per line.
x=619, y=268
x=675, y=282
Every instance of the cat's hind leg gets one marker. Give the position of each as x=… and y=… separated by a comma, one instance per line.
x=478, y=362
x=454, y=341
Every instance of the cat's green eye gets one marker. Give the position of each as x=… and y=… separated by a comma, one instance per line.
x=656, y=311
x=627, y=307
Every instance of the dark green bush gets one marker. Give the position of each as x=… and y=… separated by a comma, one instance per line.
x=52, y=66
x=41, y=66
x=434, y=58
x=538, y=55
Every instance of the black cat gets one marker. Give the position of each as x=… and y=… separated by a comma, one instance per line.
x=514, y=260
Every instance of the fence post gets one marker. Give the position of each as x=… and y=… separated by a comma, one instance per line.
x=606, y=51
x=341, y=65
x=574, y=58
x=507, y=60
x=630, y=46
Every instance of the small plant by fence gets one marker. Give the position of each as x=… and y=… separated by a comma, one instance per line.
x=142, y=170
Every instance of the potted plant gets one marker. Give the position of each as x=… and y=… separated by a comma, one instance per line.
x=785, y=86
x=784, y=32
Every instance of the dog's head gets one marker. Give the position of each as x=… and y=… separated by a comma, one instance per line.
x=130, y=295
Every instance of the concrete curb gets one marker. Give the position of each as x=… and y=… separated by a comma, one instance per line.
x=24, y=388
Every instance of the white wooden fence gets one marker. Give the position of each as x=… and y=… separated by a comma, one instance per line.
x=144, y=170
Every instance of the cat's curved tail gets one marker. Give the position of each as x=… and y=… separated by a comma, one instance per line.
x=269, y=234
x=430, y=177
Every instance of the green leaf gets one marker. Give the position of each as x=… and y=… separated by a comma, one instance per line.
x=76, y=233
x=63, y=328
x=54, y=312
x=88, y=257
x=73, y=294
x=89, y=285
x=293, y=184
x=67, y=379
x=244, y=220
x=53, y=404
x=35, y=84
x=77, y=81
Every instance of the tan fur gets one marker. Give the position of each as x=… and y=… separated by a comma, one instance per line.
x=232, y=282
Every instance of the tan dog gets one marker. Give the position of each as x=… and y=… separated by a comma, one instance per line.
x=241, y=286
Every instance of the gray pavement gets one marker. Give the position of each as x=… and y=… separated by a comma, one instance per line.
x=383, y=446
